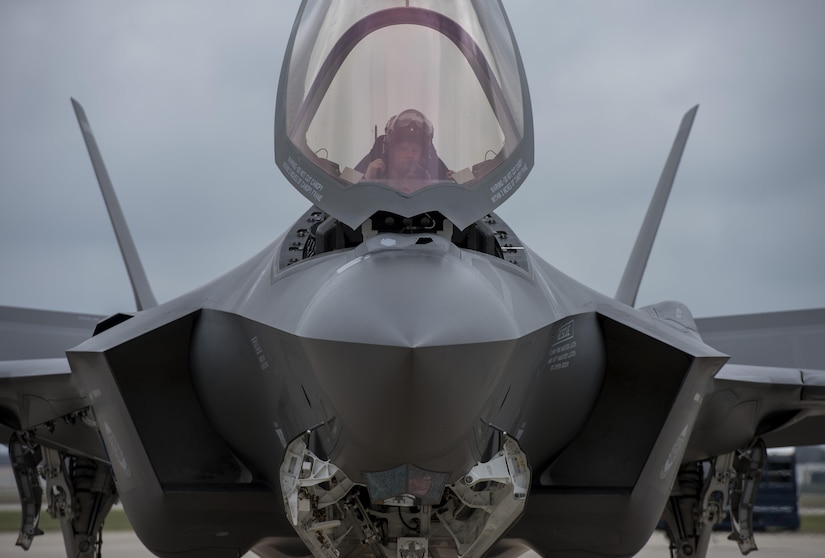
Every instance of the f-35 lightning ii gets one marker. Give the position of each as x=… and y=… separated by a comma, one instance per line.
x=398, y=375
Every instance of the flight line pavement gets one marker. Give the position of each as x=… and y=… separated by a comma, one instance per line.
x=124, y=544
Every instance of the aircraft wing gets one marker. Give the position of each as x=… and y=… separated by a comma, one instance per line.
x=45, y=418
x=36, y=385
x=32, y=334
x=784, y=339
x=773, y=387
x=36, y=391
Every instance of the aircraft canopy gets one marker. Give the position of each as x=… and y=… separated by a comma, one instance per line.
x=405, y=107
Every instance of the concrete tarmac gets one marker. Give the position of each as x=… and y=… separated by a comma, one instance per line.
x=770, y=545
x=124, y=544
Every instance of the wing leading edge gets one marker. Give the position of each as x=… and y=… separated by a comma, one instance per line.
x=27, y=333
x=788, y=339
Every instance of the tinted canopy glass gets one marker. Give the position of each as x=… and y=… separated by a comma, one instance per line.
x=404, y=107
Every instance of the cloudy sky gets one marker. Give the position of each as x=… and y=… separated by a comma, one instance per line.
x=181, y=99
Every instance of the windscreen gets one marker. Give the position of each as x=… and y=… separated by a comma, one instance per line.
x=392, y=100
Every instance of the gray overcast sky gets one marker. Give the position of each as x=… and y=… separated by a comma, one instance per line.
x=181, y=98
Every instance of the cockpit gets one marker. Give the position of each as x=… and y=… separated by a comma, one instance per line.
x=403, y=107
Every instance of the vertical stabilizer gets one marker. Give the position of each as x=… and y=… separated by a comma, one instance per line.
x=632, y=278
x=140, y=284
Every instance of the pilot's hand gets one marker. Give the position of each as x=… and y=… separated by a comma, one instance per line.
x=375, y=169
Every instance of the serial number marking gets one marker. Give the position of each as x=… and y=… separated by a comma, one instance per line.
x=561, y=356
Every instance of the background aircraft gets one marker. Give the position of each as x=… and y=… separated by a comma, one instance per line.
x=183, y=98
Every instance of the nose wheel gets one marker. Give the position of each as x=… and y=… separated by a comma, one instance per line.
x=333, y=515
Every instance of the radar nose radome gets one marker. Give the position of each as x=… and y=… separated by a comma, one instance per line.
x=408, y=376
x=376, y=297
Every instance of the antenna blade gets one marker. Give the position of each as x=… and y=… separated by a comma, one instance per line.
x=140, y=284
x=632, y=278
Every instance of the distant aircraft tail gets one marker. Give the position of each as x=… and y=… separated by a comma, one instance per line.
x=632, y=278
x=140, y=284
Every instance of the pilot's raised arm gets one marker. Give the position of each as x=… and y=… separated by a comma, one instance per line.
x=405, y=151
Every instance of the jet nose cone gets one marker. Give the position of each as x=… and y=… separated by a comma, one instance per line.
x=408, y=344
x=398, y=405
x=409, y=291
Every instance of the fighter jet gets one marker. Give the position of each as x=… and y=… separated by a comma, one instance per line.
x=399, y=375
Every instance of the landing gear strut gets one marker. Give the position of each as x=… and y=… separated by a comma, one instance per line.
x=702, y=494
x=79, y=493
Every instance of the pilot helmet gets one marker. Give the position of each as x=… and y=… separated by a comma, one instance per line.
x=410, y=125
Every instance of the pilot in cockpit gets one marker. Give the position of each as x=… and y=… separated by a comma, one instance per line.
x=404, y=151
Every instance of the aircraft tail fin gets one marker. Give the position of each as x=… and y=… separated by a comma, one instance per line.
x=632, y=278
x=140, y=284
